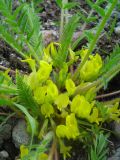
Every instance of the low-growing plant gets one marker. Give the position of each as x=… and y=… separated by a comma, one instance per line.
x=99, y=149
x=59, y=94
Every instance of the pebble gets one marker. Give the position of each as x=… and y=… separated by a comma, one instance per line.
x=116, y=156
x=20, y=135
x=117, y=30
x=4, y=155
x=49, y=36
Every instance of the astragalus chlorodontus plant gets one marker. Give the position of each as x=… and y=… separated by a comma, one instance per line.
x=59, y=94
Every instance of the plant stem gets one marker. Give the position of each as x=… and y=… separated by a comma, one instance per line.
x=108, y=94
x=64, y=16
x=52, y=151
x=61, y=22
x=109, y=77
x=66, y=12
x=93, y=43
x=5, y=68
x=9, y=116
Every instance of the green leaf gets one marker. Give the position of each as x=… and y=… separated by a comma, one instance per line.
x=91, y=19
x=39, y=150
x=111, y=60
x=99, y=2
x=8, y=91
x=97, y=8
x=9, y=38
x=5, y=101
x=99, y=149
x=70, y=5
x=89, y=35
x=77, y=42
x=19, y=24
x=59, y=3
x=31, y=120
x=25, y=96
x=82, y=16
x=65, y=41
x=111, y=1
x=62, y=76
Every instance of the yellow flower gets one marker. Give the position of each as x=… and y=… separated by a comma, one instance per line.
x=43, y=156
x=94, y=117
x=39, y=94
x=70, y=130
x=81, y=107
x=72, y=127
x=61, y=131
x=62, y=101
x=83, y=52
x=44, y=71
x=31, y=63
x=70, y=86
x=91, y=68
x=23, y=151
x=52, y=91
x=32, y=80
x=50, y=51
x=47, y=109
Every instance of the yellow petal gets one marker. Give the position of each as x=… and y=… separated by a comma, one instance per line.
x=47, y=109
x=62, y=101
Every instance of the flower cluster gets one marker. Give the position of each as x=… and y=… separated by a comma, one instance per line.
x=91, y=68
x=70, y=130
x=52, y=101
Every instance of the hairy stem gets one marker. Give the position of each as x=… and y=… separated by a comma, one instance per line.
x=64, y=16
x=93, y=43
x=52, y=151
x=108, y=94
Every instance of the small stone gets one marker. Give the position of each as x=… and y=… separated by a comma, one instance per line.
x=20, y=135
x=3, y=155
x=49, y=36
x=116, y=156
x=117, y=30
